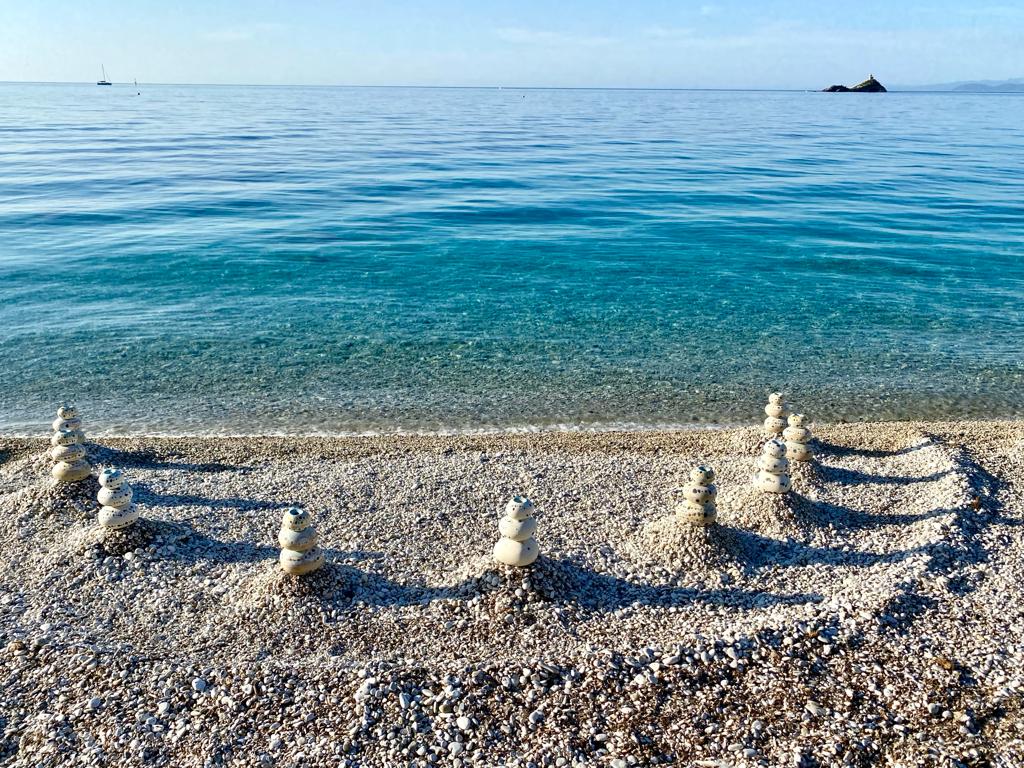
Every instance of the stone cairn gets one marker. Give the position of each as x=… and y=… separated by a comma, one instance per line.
x=797, y=437
x=299, y=551
x=68, y=449
x=773, y=468
x=698, y=504
x=115, y=494
x=517, y=546
x=776, y=411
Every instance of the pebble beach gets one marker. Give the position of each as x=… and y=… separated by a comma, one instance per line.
x=871, y=616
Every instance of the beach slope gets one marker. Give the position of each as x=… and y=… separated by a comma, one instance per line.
x=872, y=615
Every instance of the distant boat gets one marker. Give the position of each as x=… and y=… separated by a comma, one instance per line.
x=104, y=81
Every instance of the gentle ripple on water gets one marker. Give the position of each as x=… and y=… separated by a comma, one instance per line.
x=203, y=259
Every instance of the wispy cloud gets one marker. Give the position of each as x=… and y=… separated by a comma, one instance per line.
x=242, y=33
x=528, y=36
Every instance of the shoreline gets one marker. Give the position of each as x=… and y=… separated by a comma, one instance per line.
x=613, y=428
x=831, y=616
x=600, y=428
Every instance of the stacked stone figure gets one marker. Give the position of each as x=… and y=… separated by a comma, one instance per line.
x=517, y=546
x=776, y=411
x=773, y=468
x=797, y=437
x=698, y=504
x=67, y=419
x=68, y=449
x=115, y=494
x=299, y=551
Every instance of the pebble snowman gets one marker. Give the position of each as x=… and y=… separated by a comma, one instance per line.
x=698, y=505
x=517, y=546
x=776, y=412
x=797, y=437
x=298, y=539
x=115, y=494
x=67, y=447
x=773, y=468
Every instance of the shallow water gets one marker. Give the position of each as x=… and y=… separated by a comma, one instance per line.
x=253, y=259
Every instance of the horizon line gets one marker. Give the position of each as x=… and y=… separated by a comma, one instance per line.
x=405, y=85
x=933, y=88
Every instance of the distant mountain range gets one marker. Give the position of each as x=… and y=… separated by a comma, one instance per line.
x=1014, y=85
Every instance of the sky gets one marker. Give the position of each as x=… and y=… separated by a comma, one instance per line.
x=551, y=43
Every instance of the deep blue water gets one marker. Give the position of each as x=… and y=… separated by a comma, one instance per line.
x=250, y=259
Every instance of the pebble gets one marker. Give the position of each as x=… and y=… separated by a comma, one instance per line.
x=198, y=685
x=815, y=708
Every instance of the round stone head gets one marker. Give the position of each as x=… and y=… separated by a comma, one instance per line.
x=519, y=508
x=67, y=411
x=112, y=478
x=702, y=475
x=796, y=420
x=775, y=398
x=296, y=519
x=775, y=448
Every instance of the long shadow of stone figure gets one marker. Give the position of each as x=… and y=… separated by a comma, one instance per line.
x=843, y=476
x=149, y=458
x=152, y=498
x=579, y=585
x=567, y=582
x=827, y=513
x=825, y=448
x=191, y=546
x=756, y=551
x=204, y=548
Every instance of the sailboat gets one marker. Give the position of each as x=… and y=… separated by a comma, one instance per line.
x=104, y=81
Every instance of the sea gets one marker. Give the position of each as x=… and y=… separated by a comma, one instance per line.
x=320, y=260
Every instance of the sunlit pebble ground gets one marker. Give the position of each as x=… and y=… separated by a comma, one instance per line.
x=873, y=615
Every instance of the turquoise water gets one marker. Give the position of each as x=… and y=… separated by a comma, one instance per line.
x=202, y=259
